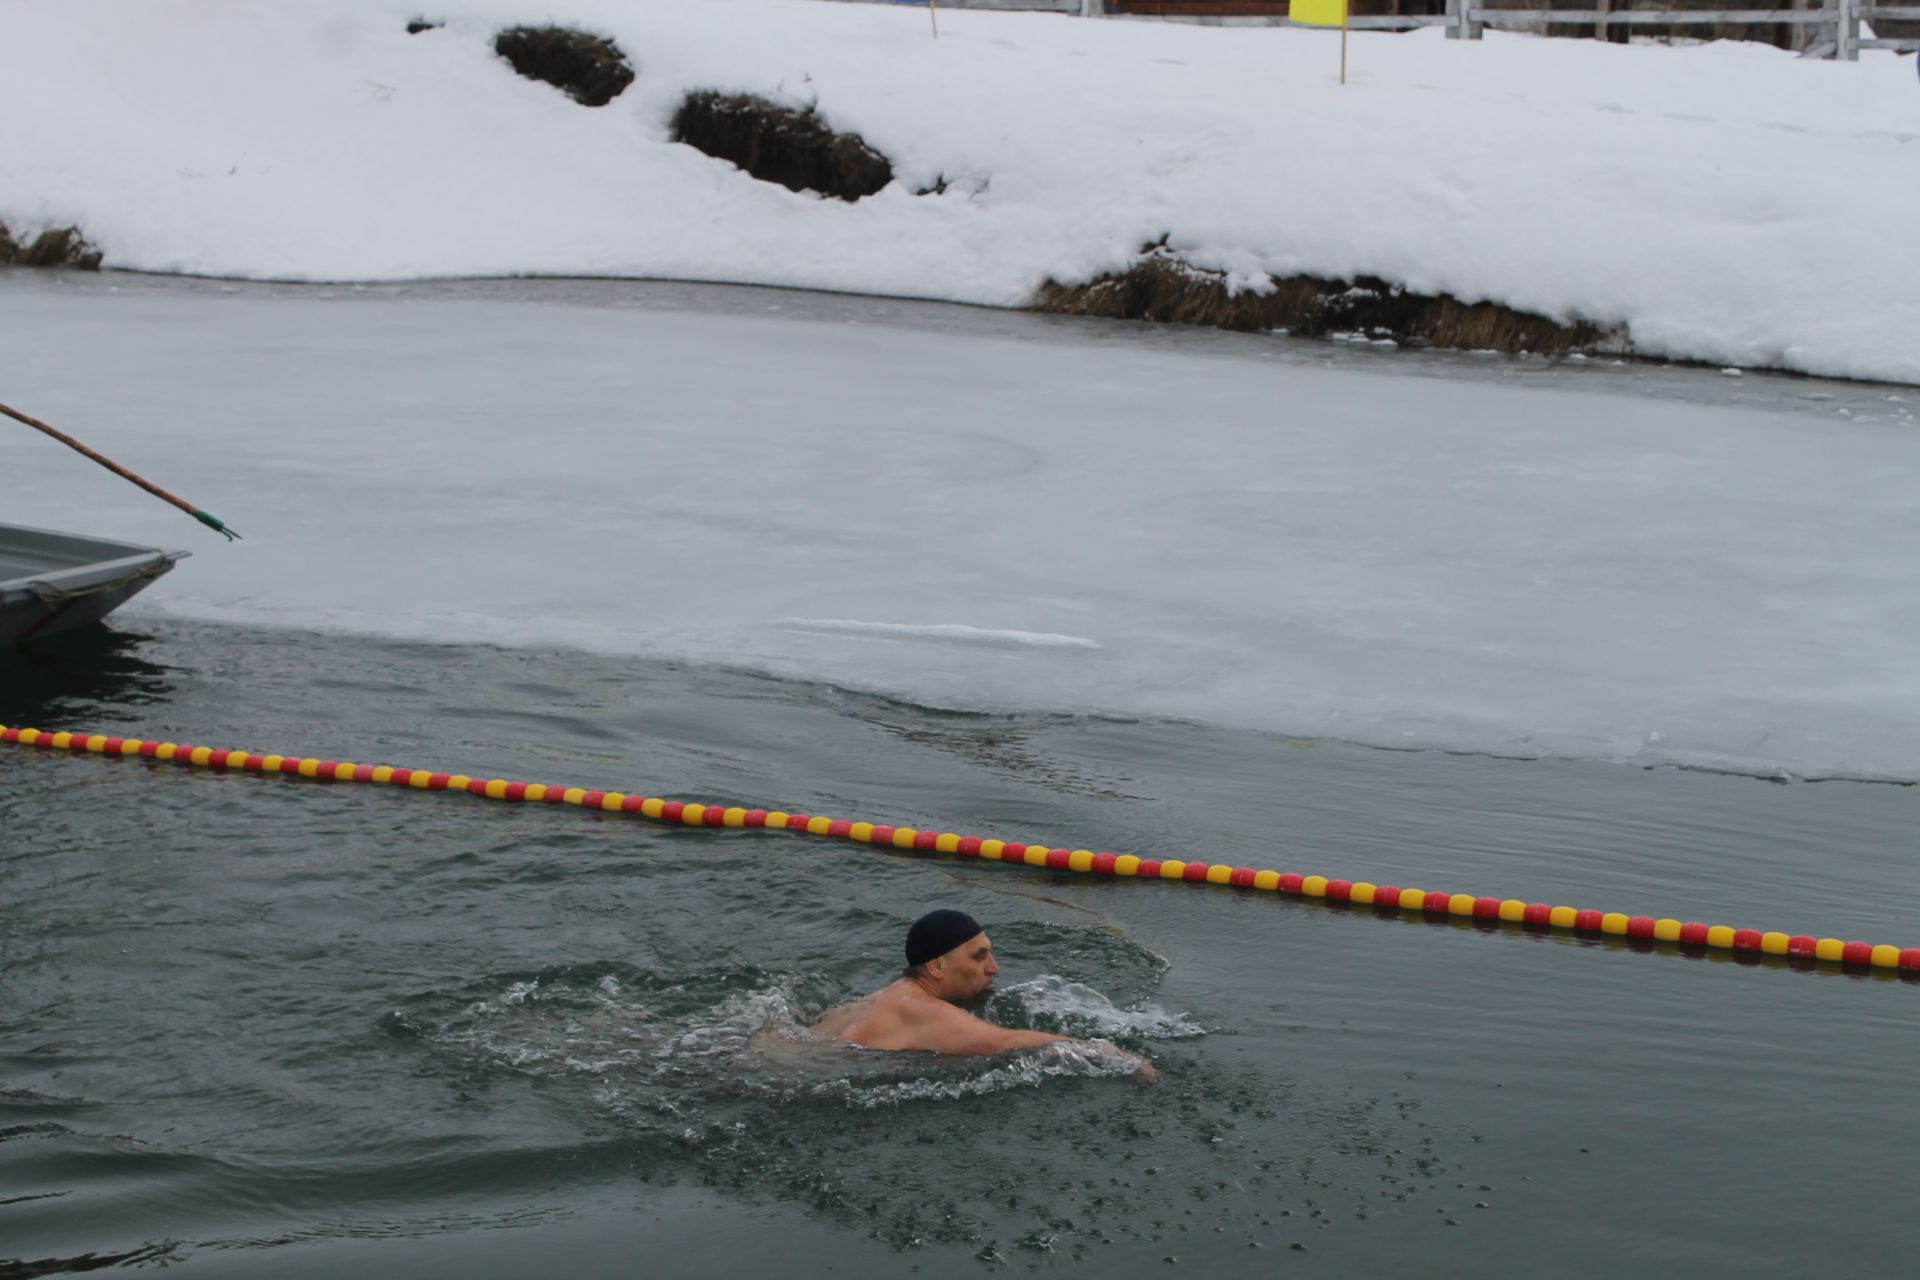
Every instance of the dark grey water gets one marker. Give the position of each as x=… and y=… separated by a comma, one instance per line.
x=254, y=1023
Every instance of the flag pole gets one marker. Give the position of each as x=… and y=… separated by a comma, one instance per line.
x=933, y=16
x=1343, y=39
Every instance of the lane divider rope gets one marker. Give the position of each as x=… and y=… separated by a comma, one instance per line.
x=1358, y=892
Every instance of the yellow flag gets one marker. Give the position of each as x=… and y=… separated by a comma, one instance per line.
x=1318, y=13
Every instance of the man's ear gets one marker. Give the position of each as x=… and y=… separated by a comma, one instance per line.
x=937, y=968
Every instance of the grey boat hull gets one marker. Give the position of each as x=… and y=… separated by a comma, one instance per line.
x=52, y=582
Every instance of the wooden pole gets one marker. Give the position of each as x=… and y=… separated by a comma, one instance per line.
x=1344, y=8
x=933, y=16
x=120, y=471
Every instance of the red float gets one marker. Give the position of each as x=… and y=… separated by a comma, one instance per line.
x=1149, y=868
x=1538, y=913
x=1693, y=933
x=671, y=810
x=1340, y=890
x=1058, y=859
x=1242, y=877
x=363, y=773
x=1387, y=895
x=713, y=816
x=969, y=847
x=152, y=749
x=1746, y=940
x=839, y=828
x=632, y=804
x=112, y=746
x=1642, y=927
x=927, y=841
x=1910, y=958
x=476, y=786
x=881, y=835
x=1587, y=921
x=1013, y=852
x=1801, y=946
x=1195, y=871
x=1437, y=901
x=1857, y=953
x=1289, y=883
x=1103, y=864
x=1486, y=908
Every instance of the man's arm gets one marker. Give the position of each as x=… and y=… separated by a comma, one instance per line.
x=1009, y=1039
x=945, y=1029
x=951, y=1030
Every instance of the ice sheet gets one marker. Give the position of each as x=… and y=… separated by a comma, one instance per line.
x=1052, y=522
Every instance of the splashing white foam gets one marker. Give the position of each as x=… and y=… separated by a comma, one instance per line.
x=757, y=1042
x=1073, y=1008
x=948, y=1079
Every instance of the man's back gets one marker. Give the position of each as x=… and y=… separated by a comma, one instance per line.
x=903, y=1016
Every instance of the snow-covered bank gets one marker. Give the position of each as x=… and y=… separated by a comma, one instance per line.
x=1729, y=203
x=1062, y=518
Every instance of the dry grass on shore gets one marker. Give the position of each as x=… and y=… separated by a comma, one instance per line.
x=589, y=68
x=58, y=247
x=1160, y=286
x=787, y=145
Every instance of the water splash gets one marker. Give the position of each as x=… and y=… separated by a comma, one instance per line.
x=713, y=1076
x=1065, y=1007
x=953, y=1079
x=638, y=1036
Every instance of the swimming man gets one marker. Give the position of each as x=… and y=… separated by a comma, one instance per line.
x=949, y=958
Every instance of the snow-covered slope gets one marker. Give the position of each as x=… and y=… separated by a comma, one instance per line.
x=1729, y=203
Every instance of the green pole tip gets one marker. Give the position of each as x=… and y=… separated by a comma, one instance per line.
x=215, y=525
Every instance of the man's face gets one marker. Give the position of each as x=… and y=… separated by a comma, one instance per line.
x=969, y=968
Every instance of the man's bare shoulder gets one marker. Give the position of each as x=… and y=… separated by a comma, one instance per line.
x=914, y=1005
x=898, y=1016
x=835, y=1022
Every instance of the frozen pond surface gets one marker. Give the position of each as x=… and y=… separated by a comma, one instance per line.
x=992, y=511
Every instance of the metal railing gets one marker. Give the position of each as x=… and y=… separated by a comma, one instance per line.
x=1835, y=26
x=1833, y=30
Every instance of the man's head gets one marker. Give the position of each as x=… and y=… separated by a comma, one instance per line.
x=949, y=955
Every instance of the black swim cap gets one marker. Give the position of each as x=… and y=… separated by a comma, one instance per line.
x=938, y=932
